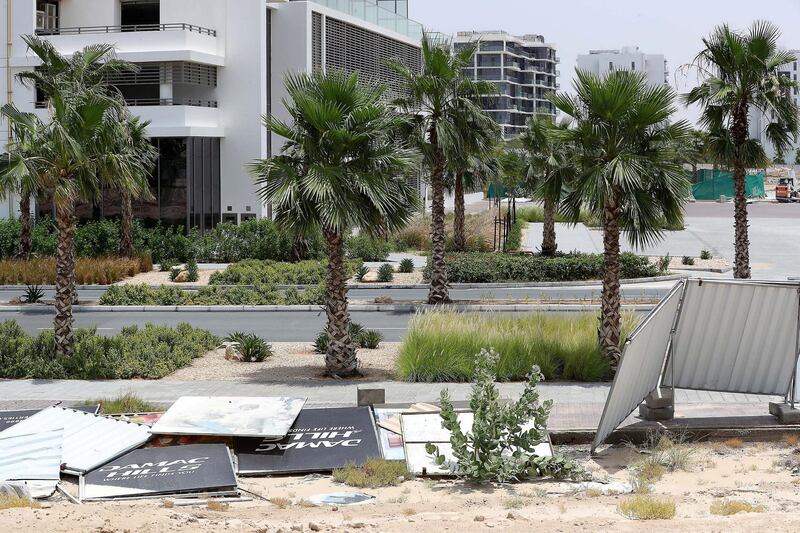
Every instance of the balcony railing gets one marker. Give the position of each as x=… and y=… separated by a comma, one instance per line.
x=132, y=102
x=81, y=30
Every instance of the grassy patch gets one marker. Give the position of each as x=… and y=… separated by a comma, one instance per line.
x=88, y=271
x=662, y=453
x=126, y=403
x=647, y=508
x=150, y=352
x=375, y=473
x=15, y=502
x=731, y=507
x=260, y=294
x=441, y=346
x=253, y=272
x=214, y=505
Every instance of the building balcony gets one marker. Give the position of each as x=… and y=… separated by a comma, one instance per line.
x=139, y=44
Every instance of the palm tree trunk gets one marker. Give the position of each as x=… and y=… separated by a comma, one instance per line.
x=65, y=279
x=126, y=237
x=610, y=318
x=25, y=230
x=459, y=237
x=741, y=267
x=549, y=244
x=438, y=293
x=340, y=357
x=298, y=248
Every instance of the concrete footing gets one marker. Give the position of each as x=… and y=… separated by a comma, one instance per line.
x=784, y=412
x=658, y=406
x=368, y=397
x=656, y=415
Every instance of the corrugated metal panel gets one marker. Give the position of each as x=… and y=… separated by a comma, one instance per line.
x=31, y=457
x=89, y=440
x=640, y=366
x=736, y=337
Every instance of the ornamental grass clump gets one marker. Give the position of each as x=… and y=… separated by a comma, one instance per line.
x=500, y=445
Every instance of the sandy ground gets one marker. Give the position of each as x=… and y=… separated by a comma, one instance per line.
x=155, y=277
x=400, y=278
x=676, y=264
x=293, y=362
x=754, y=474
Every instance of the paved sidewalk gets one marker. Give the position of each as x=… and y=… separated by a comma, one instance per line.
x=577, y=406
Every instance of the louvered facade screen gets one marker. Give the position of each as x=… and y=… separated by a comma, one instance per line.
x=316, y=42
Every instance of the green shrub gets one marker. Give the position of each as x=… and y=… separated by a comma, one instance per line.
x=192, y=271
x=373, y=474
x=514, y=241
x=250, y=346
x=33, y=294
x=98, y=238
x=251, y=272
x=174, y=273
x=497, y=449
x=663, y=264
x=440, y=346
x=407, y=265
x=370, y=339
x=706, y=255
x=151, y=352
x=687, y=260
x=260, y=294
x=364, y=338
x=494, y=268
x=367, y=248
x=362, y=271
x=385, y=273
x=167, y=265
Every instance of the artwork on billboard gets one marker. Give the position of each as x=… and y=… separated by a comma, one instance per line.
x=148, y=472
x=320, y=440
x=234, y=417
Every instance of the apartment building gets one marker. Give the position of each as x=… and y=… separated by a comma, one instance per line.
x=601, y=62
x=524, y=69
x=758, y=121
x=209, y=71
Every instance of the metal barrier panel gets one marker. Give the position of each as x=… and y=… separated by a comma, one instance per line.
x=640, y=366
x=736, y=337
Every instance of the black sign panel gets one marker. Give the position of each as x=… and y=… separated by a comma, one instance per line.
x=9, y=418
x=319, y=441
x=191, y=469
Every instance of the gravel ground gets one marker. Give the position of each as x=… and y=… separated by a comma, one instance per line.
x=292, y=362
x=410, y=278
x=162, y=278
x=676, y=263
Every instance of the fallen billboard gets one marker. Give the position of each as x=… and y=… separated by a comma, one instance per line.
x=229, y=416
x=33, y=460
x=188, y=470
x=320, y=440
x=391, y=441
x=9, y=418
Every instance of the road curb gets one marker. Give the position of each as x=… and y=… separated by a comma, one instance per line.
x=388, y=308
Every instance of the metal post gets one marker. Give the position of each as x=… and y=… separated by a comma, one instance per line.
x=797, y=353
x=670, y=349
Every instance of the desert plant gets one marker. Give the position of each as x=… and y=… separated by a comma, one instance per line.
x=373, y=474
x=687, y=260
x=361, y=271
x=193, y=274
x=33, y=294
x=500, y=445
x=126, y=403
x=385, y=273
x=706, y=255
x=406, y=265
x=663, y=264
x=647, y=508
x=370, y=339
x=251, y=347
x=362, y=338
x=367, y=248
x=175, y=272
x=732, y=507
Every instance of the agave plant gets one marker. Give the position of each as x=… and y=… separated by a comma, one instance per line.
x=33, y=294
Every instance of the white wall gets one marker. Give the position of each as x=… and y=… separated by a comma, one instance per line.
x=211, y=14
x=74, y=13
x=651, y=64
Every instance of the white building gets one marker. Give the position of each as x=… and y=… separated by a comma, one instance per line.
x=601, y=62
x=524, y=69
x=759, y=122
x=209, y=70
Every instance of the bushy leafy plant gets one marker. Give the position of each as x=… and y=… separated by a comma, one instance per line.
x=250, y=272
x=663, y=264
x=370, y=339
x=687, y=260
x=260, y=294
x=367, y=248
x=706, y=255
x=251, y=347
x=193, y=274
x=174, y=273
x=500, y=447
x=167, y=265
x=361, y=271
x=385, y=273
x=406, y=265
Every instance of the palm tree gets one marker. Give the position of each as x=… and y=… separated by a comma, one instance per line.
x=550, y=167
x=436, y=98
x=740, y=71
x=629, y=172
x=342, y=166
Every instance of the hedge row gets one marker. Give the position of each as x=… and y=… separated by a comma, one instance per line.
x=151, y=352
x=88, y=271
x=498, y=268
x=251, y=272
x=261, y=294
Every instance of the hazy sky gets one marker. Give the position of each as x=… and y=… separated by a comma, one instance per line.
x=672, y=27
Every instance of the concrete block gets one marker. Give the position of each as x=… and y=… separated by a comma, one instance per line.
x=660, y=398
x=367, y=397
x=784, y=412
x=656, y=415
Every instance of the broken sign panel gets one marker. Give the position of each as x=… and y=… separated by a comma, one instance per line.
x=149, y=472
x=33, y=460
x=321, y=440
x=391, y=442
x=229, y=416
x=9, y=418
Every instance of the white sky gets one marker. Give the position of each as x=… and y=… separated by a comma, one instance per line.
x=671, y=27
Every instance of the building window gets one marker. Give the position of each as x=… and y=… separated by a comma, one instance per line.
x=610, y=65
x=633, y=65
x=46, y=16
x=140, y=13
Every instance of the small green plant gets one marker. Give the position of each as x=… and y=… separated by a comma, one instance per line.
x=174, y=273
x=500, y=446
x=706, y=255
x=373, y=474
x=192, y=271
x=251, y=347
x=647, y=508
x=407, y=265
x=663, y=264
x=370, y=339
x=361, y=271
x=33, y=294
x=127, y=403
x=385, y=273
x=167, y=265
x=687, y=260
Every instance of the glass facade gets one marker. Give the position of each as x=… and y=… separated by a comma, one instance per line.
x=389, y=14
